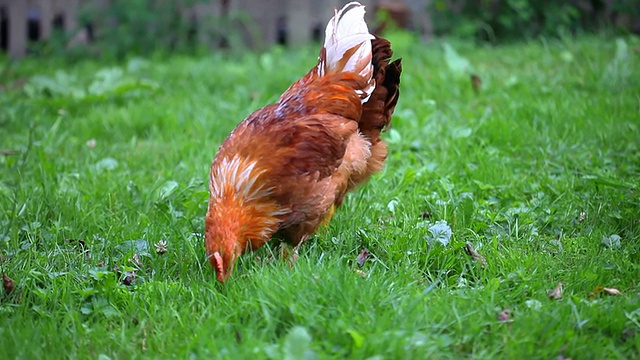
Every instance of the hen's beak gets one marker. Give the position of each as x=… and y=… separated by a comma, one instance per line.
x=220, y=270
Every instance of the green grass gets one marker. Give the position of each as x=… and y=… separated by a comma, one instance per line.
x=533, y=171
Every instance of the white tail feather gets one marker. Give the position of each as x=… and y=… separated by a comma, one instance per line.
x=347, y=30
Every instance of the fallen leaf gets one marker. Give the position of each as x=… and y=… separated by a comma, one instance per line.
x=628, y=334
x=136, y=260
x=8, y=152
x=362, y=257
x=476, y=83
x=8, y=284
x=161, y=247
x=556, y=294
x=426, y=215
x=143, y=342
x=612, y=291
x=101, y=264
x=504, y=315
x=595, y=292
x=361, y=273
x=475, y=255
x=129, y=278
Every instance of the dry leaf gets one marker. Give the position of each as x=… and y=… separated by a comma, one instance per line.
x=362, y=257
x=136, y=260
x=612, y=291
x=476, y=83
x=161, y=247
x=628, y=334
x=130, y=278
x=504, y=315
x=595, y=292
x=143, y=342
x=361, y=273
x=556, y=294
x=600, y=289
x=475, y=255
x=8, y=284
x=426, y=215
x=8, y=152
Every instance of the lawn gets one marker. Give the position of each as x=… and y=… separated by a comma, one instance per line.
x=104, y=168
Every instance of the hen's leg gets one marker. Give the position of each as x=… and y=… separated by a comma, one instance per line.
x=327, y=218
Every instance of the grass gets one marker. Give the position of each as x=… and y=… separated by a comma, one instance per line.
x=102, y=161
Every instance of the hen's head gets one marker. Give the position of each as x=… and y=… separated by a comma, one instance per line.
x=222, y=245
x=241, y=213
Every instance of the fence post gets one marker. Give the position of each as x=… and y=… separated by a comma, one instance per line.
x=204, y=13
x=2, y=6
x=17, y=29
x=299, y=22
x=46, y=18
x=265, y=14
x=420, y=19
x=71, y=16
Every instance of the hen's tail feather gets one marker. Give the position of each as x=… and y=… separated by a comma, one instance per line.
x=347, y=47
x=377, y=111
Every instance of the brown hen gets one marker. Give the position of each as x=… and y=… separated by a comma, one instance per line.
x=288, y=165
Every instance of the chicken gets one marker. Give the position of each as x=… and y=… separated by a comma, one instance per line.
x=287, y=166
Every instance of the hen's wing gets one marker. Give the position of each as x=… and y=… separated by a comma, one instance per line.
x=300, y=158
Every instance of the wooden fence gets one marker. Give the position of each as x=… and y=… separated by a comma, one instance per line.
x=22, y=21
